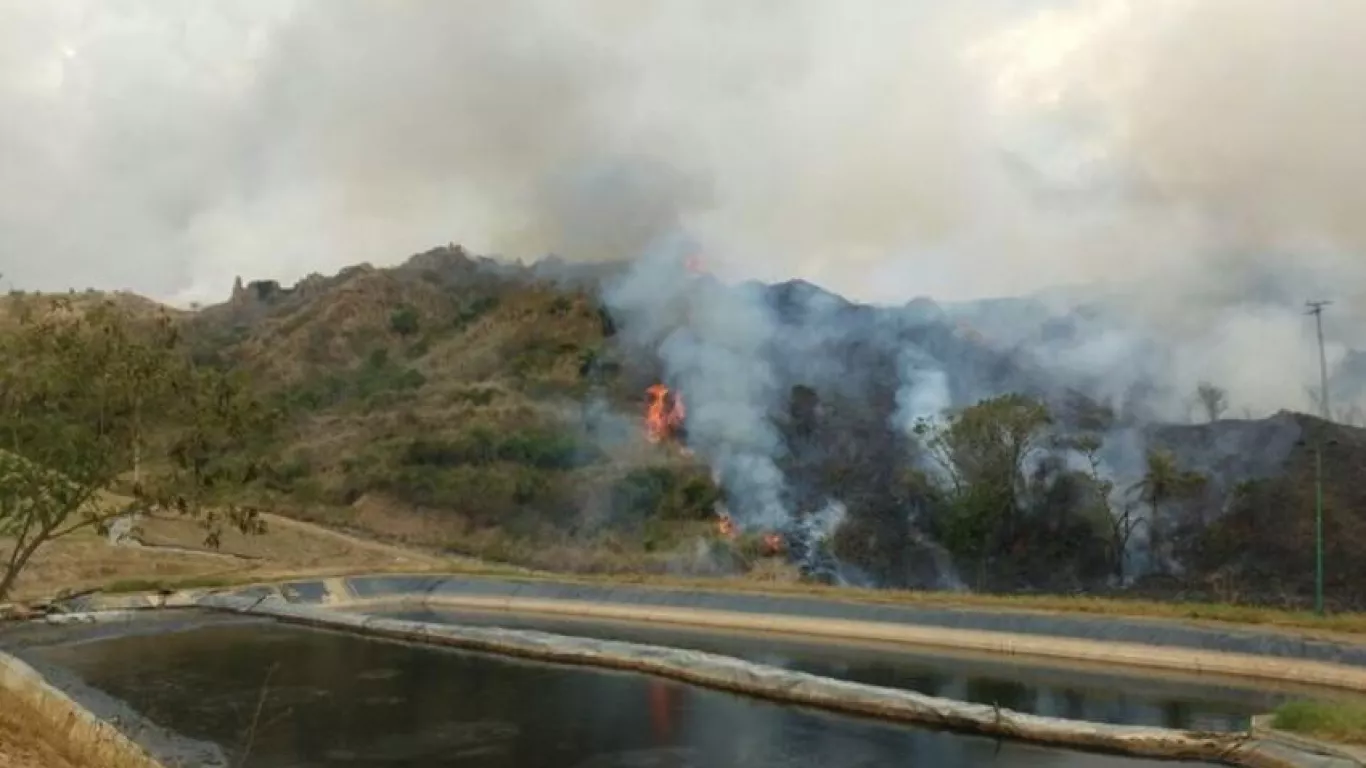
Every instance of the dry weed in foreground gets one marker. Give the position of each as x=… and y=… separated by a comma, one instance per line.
x=27, y=741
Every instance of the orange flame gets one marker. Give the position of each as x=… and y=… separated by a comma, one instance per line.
x=664, y=413
x=726, y=526
x=773, y=544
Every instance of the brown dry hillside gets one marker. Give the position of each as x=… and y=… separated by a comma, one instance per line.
x=130, y=303
x=470, y=406
x=441, y=403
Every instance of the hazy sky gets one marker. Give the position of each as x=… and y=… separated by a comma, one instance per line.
x=886, y=149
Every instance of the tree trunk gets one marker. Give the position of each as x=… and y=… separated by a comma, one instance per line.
x=1155, y=539
x=20, y=558
x=1119, y=553
x=12, y=570
x=137, y=447
x=8, y=581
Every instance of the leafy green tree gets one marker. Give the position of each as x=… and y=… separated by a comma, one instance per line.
x=90, y=397
x=983, y=450
x=1164, y=482
x=405, y=321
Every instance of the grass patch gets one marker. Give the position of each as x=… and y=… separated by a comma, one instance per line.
x=127, y=586
x=1341, y=722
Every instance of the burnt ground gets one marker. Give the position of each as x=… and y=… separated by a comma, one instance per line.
x=1251, y=537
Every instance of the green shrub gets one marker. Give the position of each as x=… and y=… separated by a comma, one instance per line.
x=665, y=492
x=472, y=310
x=493, y=493
x=418, y=349
x=283, y=476
x=541, y=448
x=475, y=395
x=377, y=381
x=405, y=321
x=1335, y=721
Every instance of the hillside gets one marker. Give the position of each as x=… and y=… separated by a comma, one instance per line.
x=1251, y=536
x=462, y=403
x=470, y=406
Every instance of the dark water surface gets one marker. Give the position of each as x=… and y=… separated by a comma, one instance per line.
x=332, y=699
x=1069, y=693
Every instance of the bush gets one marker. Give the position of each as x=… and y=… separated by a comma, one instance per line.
x=666, y=493
x=473, y=310
x=283, y=476
x=541, y=448
x=405, y=321
x=1337, y=721
x=475, y=395
x=494, y=493
x=418, y=349
x=375, y=380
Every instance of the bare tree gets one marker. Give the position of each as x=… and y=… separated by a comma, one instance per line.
x=1213, y=399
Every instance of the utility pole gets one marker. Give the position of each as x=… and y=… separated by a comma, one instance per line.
x=1316, y=309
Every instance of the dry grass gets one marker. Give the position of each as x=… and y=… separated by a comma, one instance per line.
x=575, y=562
x=399, y=523
x=27, y=743
x=298, y=549
x=289, y=549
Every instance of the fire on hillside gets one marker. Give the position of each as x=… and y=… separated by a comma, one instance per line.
x=664, y=414
x=664, y=418
x=772, y=543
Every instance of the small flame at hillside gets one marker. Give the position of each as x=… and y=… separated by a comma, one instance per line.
x=664, y=414
x=771, y=543
x=725, y=526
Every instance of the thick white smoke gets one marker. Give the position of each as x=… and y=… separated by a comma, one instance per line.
x=713, y=342
x=1188, y=151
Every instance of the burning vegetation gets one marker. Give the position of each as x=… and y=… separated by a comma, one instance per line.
x=1050, y=491
x=725, y=526
x=770, y=543
x=664, y=415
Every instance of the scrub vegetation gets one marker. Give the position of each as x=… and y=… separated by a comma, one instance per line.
x=1342, y=722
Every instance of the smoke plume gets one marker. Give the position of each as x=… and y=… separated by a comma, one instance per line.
x=1196, y=165
x=713, y=341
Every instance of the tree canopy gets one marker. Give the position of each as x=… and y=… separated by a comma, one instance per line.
x=95, y=400
x=983, y=450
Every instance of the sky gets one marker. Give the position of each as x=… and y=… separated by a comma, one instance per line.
x=886, y=150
